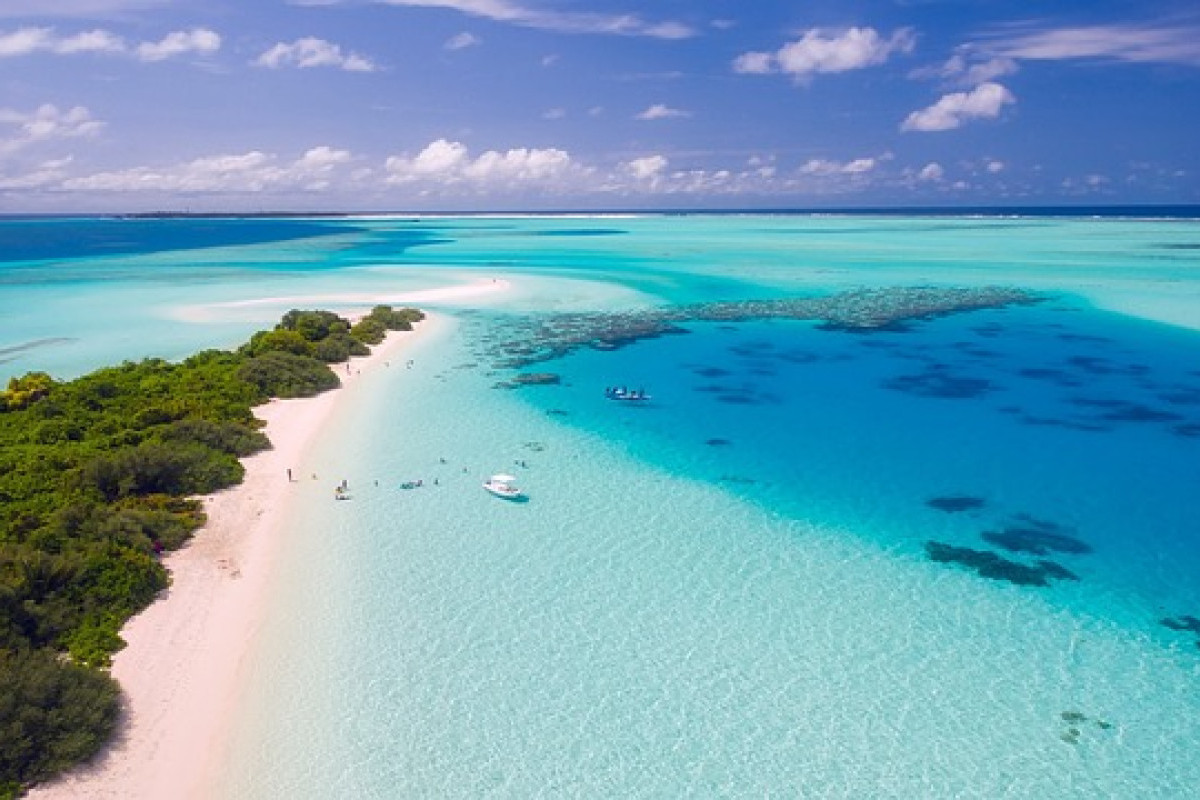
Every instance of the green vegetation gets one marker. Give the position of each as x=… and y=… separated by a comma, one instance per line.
x=97, y=477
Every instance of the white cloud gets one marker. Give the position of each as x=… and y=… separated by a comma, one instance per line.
x=24, y=41
x=534, y=16
x=931, y=172
x=27, y=41
x=46, y=123
x=554, y=113
x=313, y=52
x=754, y=63
x=439, y=157
x=461, y=41
x=661, y=111
x=953, y=110
x=251, y=172
x=1160, y=43
x=44, y=175
x=200, y=41
x=97, y=41
x=646, y=168
x=819, y=51
x=968, y=67
x=995, y=167
x=445, y=164
x=823, y=167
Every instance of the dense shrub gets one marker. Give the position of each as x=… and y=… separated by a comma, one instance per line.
x=314, y=325
x=395, y=319
x=286, y=375
x=369, y=331
x=52, y=714
x=279, y=340
x=338, y=347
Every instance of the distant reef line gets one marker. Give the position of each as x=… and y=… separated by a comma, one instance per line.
x=533, y=339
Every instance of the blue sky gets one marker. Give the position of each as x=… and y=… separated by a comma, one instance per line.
x=249, y=105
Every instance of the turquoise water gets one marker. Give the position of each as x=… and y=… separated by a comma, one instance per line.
x=725, y=591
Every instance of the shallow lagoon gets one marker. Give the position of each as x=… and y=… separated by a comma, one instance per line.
x=726, y=590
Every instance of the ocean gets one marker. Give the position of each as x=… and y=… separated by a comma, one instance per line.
x=953, y=559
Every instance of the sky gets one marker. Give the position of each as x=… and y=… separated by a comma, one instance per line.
x=476, y=105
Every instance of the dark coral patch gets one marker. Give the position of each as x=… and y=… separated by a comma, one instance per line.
x=952, y=504
x=1094, y=365
x=987, y=564
x=1056, y=571
x=1183, y=623
x=739, y=400
x=1055, y=376
x=1036, y=542
x=937, y=382
x=1084, y=338
x=799, y=357
x=1136, y=412
x=1182, y=396
x=1039, y=537
x=1189, y=431
x=718, y=442
x=711, y=372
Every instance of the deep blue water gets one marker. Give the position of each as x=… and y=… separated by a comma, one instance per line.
x=1054, y=419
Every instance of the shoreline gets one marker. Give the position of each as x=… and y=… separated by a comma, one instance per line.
x=181, y=668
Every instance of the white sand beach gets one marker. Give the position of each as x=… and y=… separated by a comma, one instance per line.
x=180, y=669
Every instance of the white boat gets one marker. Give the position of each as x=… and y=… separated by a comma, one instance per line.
x=503, y=486
x=628, y=395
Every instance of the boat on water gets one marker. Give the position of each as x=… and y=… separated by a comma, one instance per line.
x=627, y=395
x=503, y=486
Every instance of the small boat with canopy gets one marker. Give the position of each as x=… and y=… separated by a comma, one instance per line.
x=504, y=486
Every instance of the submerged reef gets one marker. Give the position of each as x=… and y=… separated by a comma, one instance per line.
x=534, y=339
x=991, y=565
x=531, y=379
x=936, y=382
x=1185, y=624
x=1037, y=537
x=952, y=504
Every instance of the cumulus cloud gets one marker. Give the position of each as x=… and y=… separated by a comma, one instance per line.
x=461, y=41
x=444, y=163
x=311, y=52
x=200, y=41
x=45, y=123
x=646, y=168
x=931, y=173
x=1161, y=43
x=533, y=16
x=824, y=167
x=821, y=51
x=969, y=67
x=250, y=172
x=43, y=175
x=953, y=110
x=27, y=41
x=995, y=167
x=661, y=111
